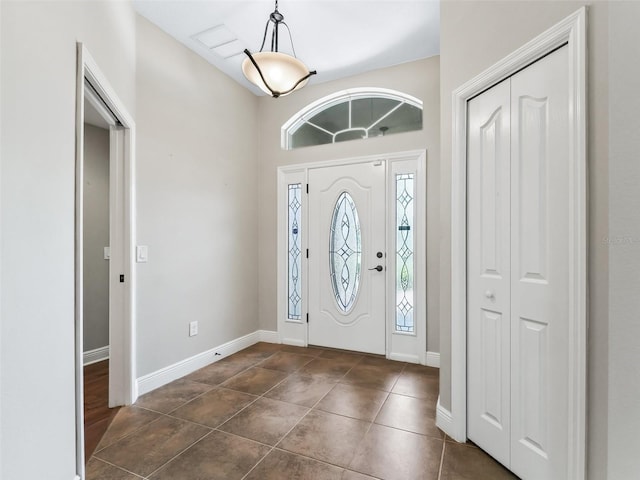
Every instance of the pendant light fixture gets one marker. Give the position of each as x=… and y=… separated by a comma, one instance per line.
x=274, y=72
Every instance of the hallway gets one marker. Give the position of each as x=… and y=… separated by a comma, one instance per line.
x=97, y=414
x=283, y=413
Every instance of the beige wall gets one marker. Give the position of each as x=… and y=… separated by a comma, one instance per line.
x=95, y=237
x=474, y=36
x=623, y=241
x=38, y=94
x=207, y=156
x=420, y=79
x=197, y=197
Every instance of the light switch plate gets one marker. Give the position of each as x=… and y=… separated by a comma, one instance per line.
x=107, y=253
x=142, y=254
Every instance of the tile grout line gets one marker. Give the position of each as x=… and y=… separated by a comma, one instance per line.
x=273, y=447
x=371, y=423
x=258, y=397
x=444, y=443
x=130, y=433
x=162, y=414
x=338, y=381
x=257, y=463
x=324, y=462
x=211, y=429
x=119, y=467
x=213, y=387
x=243, y=438
x=220, y=386
x=312, y=408
x=180, y=453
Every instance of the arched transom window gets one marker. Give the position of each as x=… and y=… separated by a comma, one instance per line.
x=350, y=115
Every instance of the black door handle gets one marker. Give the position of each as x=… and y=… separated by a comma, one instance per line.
x=379, y=268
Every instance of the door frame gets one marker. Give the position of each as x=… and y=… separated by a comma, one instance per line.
x=572, y=32
x=296, y=332
x=122, y=369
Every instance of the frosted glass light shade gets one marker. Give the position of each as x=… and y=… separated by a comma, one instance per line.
x=281, y=71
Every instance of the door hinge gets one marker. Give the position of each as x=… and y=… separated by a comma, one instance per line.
x=307, y=253
x=122, y=278
x=307, y=188
x=307, y=318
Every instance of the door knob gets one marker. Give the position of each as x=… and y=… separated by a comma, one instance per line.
x=377, y=267
x=489, y=294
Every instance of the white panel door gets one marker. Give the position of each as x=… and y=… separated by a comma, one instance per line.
x=346, y=234
x=540, y=206
x=518, y=269
x=488, y=272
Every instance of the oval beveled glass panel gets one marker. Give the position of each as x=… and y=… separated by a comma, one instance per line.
x=345, y=252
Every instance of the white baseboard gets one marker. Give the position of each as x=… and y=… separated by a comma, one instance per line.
x=444, y=420
x=96, y=355
x=433, y=359
x=403, y=357
x=269, y=336
x=168, y=374
x=294, y=341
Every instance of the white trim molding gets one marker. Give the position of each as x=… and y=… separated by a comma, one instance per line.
x=294, y=341
x=444, y=420
x=96, y=355
x=406, y=348
x=323, y=103
x=122, y=319
x=433, y=359
x=268, y=336
x=404, y=357
x=157, y=379
x=572, y=32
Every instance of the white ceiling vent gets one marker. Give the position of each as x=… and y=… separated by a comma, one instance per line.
x=220, y=40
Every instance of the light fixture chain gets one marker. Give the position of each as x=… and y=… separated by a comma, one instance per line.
x=274, y=39
x=290, y=39
x=264, y=37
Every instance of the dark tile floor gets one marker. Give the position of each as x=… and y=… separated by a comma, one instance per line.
x=288, y=413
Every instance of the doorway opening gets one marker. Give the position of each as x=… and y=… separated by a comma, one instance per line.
x=95, y=266
x=104, y=272
x=352, y=255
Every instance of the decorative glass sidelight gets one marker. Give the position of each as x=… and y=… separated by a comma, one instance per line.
x=345, y=252
x=295, y=251
x=404, y=252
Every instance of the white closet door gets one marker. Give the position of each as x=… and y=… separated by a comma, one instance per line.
x=488, y=271
x=540, y=207
x=518, y=269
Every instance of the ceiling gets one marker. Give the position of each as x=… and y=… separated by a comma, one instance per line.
x=335, y=37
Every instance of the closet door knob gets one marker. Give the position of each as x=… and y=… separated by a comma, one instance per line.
x=489, y=294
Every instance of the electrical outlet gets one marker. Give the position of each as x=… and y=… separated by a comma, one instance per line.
x=193, y=329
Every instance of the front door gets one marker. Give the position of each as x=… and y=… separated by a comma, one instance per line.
x=347, y=257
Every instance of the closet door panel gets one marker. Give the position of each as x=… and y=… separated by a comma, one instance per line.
x=540, y=208
x=488, y=269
